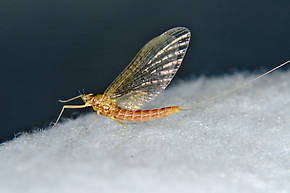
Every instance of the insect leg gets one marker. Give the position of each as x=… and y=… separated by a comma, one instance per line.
x=94, y=122
x=65, y=101
x=98, y=112
x=90, y=127
x=69, y=107
x=124, y=124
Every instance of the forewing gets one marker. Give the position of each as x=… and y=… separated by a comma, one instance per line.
x=151, y=70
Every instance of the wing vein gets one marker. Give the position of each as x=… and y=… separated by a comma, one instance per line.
x=151, y=70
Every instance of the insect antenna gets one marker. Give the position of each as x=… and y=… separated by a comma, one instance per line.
x=225, y=93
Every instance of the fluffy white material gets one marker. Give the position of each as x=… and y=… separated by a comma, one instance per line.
x=240, y=143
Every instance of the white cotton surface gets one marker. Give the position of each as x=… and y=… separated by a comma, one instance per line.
x=239, y=143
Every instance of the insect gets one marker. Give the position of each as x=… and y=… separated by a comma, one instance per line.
x=148, y=74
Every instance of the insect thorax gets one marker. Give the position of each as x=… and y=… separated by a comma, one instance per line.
x=104, y=105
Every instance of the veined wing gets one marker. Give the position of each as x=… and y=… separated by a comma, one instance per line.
x=152, y=69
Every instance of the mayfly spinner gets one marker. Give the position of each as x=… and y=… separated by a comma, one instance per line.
x=148, y=74
x=142, y=80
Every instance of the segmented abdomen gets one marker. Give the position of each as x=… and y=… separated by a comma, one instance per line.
x=145, y=115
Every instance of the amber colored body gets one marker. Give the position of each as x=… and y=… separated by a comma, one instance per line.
x=107, y=107
x=145, y=115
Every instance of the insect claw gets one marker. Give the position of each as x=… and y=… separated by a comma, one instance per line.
x=51, y=124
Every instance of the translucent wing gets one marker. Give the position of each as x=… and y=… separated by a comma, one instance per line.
x=151, y=70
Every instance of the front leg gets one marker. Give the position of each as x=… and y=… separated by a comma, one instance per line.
x=69, y=107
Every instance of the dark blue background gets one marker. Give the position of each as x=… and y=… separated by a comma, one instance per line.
x=50, y=49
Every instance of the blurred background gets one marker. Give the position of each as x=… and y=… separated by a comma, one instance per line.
x=53, y=49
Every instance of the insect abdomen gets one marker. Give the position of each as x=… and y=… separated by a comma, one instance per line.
x=145, y=115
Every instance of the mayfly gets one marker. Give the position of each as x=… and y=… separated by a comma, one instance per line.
x=148, y=74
